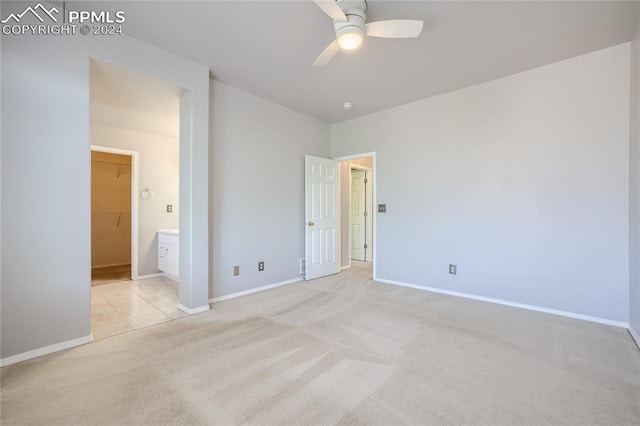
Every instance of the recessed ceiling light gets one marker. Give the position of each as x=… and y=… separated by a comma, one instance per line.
x=347, y=106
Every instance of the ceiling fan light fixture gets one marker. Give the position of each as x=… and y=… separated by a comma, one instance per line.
x=350, y=25
x=350, y=40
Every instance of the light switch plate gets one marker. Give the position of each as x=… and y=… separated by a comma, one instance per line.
x=382, y=208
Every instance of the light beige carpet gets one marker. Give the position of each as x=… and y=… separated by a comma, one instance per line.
x=339, y=350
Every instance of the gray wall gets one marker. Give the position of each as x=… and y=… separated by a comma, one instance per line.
x=257, y=181
x=45, y=289
x=523, y=182
x=634, y=193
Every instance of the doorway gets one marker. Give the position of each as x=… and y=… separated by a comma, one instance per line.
x=357, y=214
x=113, y=215
x=135, y=136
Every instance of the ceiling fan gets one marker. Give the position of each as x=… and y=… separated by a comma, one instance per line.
x=350, y=23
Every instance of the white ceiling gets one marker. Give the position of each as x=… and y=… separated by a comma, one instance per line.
x=267, y=47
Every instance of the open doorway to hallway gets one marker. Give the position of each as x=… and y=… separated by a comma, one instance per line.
x=135, y=133
x=356, y=212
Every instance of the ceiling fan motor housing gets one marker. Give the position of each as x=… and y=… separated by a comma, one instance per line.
x=356, y=17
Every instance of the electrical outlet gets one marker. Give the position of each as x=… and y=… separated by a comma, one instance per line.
x=260, y=266
x=169, y=208
x=382, y=208
x=236, y=270
x=453, y=269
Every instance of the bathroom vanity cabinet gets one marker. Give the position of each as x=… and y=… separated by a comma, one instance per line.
x=168, y=252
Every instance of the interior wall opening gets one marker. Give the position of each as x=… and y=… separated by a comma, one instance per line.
x=357, y=223
x=135, y=136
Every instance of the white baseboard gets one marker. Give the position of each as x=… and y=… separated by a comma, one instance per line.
x=46, y=350
x=148, y=276
x=508, y=303
x=342, y=268
x=193, y=311
x=253, y=290
x=636, y=335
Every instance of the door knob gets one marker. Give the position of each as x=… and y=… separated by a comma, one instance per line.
x=311, y=223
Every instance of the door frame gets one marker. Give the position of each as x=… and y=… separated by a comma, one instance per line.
x=353, y=166
x=374, y=234
x=134, y=201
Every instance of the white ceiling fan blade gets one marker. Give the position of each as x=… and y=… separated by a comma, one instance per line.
x=327, y=54
x=394, y=28
x=331, y=8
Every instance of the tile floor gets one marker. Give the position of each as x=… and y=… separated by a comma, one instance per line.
x=129, y=305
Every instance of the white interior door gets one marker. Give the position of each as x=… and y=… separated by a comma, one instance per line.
x=321, y=199
x=358, y=225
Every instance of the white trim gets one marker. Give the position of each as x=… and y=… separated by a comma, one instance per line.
x=148, y=276
x=194, y=310
x=253, y=290
x=46, y=350
x=508, y=303
x=374, y=220
x=635, y=335
x=339, y=203
x=342, y=268
x=134, y=200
